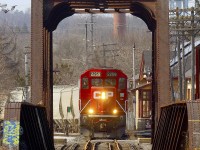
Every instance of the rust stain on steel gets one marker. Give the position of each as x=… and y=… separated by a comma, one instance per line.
x=194, y=123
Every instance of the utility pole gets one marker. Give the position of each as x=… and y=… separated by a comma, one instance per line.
x=132, y=100
x=104, y=53
x=186, y=23
x=86, y=43
x=183, y=65
x=104, y=56
x=26, y=52
x=133, y=66
x=192, y=57
x=92, y=30
x=179, y=60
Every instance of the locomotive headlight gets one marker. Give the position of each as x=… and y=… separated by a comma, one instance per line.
x=114, y=111
x=91, y=111
x=103, y=95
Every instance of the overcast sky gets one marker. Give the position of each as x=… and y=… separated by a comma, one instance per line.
x=22, y=5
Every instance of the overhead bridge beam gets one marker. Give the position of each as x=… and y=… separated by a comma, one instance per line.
x=103, y=4
x=95, y=11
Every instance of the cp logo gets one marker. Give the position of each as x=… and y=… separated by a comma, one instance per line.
x=100, y=95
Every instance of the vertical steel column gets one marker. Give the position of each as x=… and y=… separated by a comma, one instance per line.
x=197, y=95
x=154, y=88
x=37, y=68
x=41, y=59
x=51, y=80
x=162, y=53
x=48, y=76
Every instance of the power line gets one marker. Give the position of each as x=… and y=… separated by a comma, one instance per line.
x=185, y=25
x=105, y=51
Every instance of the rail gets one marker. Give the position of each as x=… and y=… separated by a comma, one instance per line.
x=116, y=145
x=87, y=145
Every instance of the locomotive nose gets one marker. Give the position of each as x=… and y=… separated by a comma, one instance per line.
x=103, y=95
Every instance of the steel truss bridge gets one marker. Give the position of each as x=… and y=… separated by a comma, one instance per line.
x=32, y=117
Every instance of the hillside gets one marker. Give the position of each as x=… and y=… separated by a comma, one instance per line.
x=69, y=44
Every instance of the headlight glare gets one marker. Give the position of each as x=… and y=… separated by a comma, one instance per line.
x=91, y=111
x=114, y=111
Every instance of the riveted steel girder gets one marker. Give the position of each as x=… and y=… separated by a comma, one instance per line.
x=178, y=126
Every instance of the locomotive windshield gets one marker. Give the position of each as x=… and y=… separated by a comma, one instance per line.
x=110, y=82
x=97, y=82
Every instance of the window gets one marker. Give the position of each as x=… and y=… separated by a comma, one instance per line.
x=188, y=94
x=122, y=83
x=97, y=82
x=85, y=83
x=110, y=82
x=145, y=104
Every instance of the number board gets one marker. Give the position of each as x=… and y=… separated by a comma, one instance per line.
x=111, y=74
x=95, y=74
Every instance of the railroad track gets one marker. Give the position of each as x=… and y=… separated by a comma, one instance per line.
x=100, y=145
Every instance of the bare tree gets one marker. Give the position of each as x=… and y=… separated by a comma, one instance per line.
x=70, y=47
x=8, y=65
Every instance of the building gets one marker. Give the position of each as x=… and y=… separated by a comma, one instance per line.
x=142, y=93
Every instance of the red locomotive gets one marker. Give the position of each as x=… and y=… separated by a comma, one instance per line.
x=103, y=102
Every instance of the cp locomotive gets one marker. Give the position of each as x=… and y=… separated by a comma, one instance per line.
x=103, y=103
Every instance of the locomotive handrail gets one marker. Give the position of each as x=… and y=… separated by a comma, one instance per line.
x=85, y=105
x=79, y=104
x=126, y=105
x=121, y=106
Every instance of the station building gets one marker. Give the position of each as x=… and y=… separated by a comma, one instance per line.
x=142, y=93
